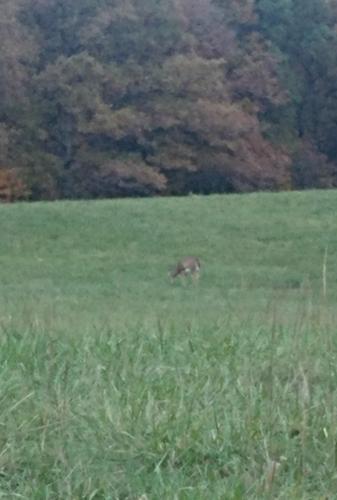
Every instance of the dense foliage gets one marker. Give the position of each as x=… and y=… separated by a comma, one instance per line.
x=103, y=98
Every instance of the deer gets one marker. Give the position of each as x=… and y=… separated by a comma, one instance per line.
x=188, y=266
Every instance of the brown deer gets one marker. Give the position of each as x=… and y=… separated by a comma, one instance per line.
x=188, y=266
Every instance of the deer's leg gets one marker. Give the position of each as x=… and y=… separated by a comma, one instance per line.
x=195, y=277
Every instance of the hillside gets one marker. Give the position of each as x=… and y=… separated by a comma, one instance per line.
x=128, y=98
x=118, y=384
x=113, y=257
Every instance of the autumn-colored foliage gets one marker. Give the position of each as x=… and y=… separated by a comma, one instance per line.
x=12, y=188
x=145, y=97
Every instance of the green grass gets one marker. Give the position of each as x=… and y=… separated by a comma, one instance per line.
x=117, y=384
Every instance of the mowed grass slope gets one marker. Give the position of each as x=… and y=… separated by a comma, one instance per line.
x=117, y=384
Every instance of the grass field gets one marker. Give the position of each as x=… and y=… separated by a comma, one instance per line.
x=117, y=384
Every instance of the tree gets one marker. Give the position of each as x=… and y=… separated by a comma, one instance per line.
x=303, y=31
x=141, y=97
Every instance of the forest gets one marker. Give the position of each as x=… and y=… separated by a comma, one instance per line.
x=115, y=98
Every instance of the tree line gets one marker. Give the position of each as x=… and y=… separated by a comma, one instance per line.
x=107, y=98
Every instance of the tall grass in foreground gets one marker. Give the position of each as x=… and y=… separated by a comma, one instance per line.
x=239, y=408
